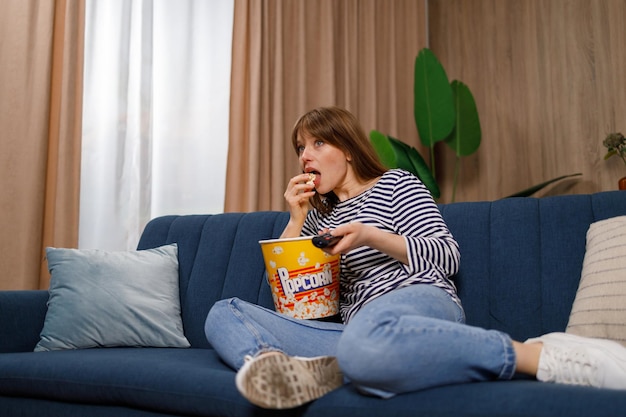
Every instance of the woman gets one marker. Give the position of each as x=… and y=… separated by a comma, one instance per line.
x=402, y=324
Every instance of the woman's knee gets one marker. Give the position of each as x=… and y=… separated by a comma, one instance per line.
x=372, y=345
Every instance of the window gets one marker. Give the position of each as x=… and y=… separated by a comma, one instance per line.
x=155, y=114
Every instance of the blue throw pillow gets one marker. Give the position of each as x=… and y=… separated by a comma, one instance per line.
x=106, y=299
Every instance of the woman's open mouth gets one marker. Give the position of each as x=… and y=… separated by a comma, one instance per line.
x=314, y=177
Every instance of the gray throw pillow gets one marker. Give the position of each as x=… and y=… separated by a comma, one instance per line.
x=105, y=299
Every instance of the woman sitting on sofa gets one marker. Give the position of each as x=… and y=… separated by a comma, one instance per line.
x=402, y=324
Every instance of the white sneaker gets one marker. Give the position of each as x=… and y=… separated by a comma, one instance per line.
x=571, y=359
x=276, y=380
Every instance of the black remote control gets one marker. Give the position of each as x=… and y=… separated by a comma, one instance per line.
x=326, y=240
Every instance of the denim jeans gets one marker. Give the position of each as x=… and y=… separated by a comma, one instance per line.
x=406, y=340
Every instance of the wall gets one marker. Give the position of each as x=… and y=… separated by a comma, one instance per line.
x=549, y=80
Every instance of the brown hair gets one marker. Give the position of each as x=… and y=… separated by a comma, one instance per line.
x=339, y=127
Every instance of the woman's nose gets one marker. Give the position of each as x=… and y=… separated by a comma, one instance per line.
x=305, y=154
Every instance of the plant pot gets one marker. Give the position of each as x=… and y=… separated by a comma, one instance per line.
x=622, y=184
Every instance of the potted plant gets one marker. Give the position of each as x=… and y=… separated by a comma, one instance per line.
x=616, y=145
x=443, y=111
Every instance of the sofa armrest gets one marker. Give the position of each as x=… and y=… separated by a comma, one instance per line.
x=22, y=314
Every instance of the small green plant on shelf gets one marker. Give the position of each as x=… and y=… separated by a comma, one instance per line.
x=616, y=145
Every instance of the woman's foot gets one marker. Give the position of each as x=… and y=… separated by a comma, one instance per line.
x=571, y=359
x=276, y=380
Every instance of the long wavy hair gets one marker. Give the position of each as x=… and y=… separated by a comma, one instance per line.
x=339, y=127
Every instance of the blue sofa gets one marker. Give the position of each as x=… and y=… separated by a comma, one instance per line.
x=521, y=262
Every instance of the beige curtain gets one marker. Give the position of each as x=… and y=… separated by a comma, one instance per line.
x=40, y=86
x=293, y=55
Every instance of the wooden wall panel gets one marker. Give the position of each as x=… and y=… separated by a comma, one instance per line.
x=549, y=81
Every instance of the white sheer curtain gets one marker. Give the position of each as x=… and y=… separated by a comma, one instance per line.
x=155, y=118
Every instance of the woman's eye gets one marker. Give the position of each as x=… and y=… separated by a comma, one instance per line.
x=319, y=142
x=300, y=149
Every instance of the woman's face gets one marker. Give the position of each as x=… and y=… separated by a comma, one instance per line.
x=330, y=164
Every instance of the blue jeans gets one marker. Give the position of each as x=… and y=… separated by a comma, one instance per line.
x=406, y=340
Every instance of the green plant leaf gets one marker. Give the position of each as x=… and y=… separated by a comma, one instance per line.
x=532, y=190
x=433, y=101
x=383, y=148
x=394, y=153
x=420, y=168
x=391, y=154
x=465, y=137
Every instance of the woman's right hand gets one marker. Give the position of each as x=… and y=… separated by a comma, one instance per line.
x=297, y=196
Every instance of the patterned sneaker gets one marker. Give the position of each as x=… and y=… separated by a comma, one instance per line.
x=571, y=359
x=276, y=380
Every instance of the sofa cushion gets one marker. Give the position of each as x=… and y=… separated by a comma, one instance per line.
x=194, y=382
x=515, y=398
x=100, y=299
x=190, y=382
x=599, y=309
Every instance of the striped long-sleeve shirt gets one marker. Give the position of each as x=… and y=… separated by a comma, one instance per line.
x=398, y=203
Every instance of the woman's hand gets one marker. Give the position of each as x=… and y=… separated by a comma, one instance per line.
x=297, y=196
x=358, y=234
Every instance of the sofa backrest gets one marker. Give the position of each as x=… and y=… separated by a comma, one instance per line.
x=219, y=257
x=521, y=258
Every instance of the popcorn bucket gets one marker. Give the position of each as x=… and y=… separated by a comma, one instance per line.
x=304, y=279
